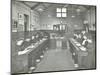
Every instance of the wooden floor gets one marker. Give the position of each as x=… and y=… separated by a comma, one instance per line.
x=56, y=60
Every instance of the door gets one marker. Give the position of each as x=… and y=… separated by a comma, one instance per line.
x=26, y=24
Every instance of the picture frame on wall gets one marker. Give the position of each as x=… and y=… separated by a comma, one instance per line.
x=21, y=18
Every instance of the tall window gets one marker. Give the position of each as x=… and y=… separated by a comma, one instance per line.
x=61, y=12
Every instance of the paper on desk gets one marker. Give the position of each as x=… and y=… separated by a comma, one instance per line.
x=30, y=47
x=83, y=48
x=22, y=52
x=90, y=41
x=78, y=44
x=19, y=42
x=26, y=50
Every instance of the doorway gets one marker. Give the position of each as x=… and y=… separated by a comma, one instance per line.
x=26, y=24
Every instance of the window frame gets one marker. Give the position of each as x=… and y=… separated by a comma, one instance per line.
x=59, y=11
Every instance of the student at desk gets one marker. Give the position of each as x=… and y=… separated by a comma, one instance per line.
x=89, y=60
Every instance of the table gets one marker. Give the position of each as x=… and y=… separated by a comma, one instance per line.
x=25, y=59
x=78, y=54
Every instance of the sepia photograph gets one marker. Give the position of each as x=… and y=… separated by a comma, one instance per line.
x=52, y=37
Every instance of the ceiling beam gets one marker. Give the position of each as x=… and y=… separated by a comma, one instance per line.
x=46, y=7
x=35, y=6
x=25, y=4
x=87, y=7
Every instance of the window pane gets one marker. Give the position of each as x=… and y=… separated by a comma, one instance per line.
x=64, y=10
x=58, y=9
x=58, y=14
x=64, y=14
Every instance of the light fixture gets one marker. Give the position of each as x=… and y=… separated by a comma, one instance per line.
x=78, y=10
x=40, y=9
x=75, y=25
x=72, y=16
x=85, y=22
x=49, y=15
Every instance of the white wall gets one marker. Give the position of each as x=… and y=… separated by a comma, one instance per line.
x=90, y=16
x=35, y=20
x=18, y=7
x=72, y=23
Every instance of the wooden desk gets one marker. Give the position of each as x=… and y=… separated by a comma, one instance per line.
x=22, y=62
x=77, y=53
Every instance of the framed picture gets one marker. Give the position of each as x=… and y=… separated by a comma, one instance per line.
x=21, y=18
x=62, y=37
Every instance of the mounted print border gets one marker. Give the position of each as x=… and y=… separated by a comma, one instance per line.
x=52, y=37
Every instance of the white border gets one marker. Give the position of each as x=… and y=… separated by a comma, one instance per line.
x=5, y=37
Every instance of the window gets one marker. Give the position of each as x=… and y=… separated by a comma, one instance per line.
x=61, y=12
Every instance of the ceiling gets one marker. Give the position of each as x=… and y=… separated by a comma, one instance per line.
x=38, y=6
x=42, y=6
